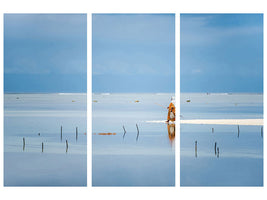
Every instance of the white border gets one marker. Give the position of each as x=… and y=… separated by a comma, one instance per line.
x=120, y=6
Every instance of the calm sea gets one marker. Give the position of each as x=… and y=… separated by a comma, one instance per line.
x=237, y=159
x=44, y=158
x=146, y=158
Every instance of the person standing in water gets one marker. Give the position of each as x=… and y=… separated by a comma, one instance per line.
x=171, y=111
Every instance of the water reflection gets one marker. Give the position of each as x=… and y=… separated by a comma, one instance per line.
x=171, y=132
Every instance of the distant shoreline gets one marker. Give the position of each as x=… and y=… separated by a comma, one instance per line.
x=45, y=93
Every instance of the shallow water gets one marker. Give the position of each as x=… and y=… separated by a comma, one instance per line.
x=130, y=159
x=239, y=161
x=38, y=119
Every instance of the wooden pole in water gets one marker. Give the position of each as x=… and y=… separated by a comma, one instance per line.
x=137, y=132
x=124, y=131
x=195, y=148
x=67, y=146
x=217, y=152
x=42, y=147
x=212, y=130
x=76, y=133
x=261, y=131
x=238, y=131
x=215, y=148
x=61, y=133
x=23, y=144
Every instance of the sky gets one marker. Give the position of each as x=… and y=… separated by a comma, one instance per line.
x=221, y=53
x=45, y=53
x=133, y=53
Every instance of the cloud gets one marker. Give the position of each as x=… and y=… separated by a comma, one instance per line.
x=200, y=30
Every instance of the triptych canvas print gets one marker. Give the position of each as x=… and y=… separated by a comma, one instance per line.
x=135, y=103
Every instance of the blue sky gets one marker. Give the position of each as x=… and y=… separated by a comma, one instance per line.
x=133, y=53
x=45, y=53
x=221, y=53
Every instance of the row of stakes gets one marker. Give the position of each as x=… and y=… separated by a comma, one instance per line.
x=67, y=144
x=216, y=148
x=137, y=136
x=238, y=131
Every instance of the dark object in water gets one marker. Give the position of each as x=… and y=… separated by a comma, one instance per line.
x=261, y=131
x=39, y=134
x=23, y=144
x=137, y=132
x=61, y=134
x=188, y=100
x=196, y=149
x=136, y=101
x=124, y=131
x=215, y=148
x=42, y=147
x=67, y=146
x=212, y=130
x=217, y=152
x=76, y=133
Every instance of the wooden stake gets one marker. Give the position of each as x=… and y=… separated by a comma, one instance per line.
x=23, y=144
x=124, y=131
x=67, y=146
x=61, y=133
x=76, y=133
x=196, y=149
x=137, y=132
x=215, y=148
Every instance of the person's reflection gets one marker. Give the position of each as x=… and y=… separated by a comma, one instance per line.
x=171, y=132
